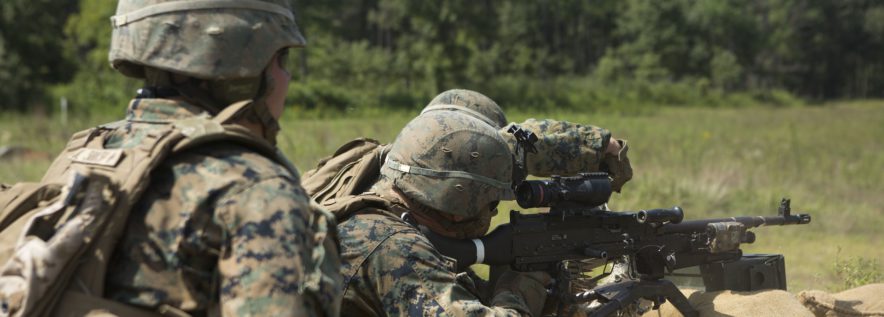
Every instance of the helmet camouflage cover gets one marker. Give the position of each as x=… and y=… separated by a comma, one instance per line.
x=470, y=102
x=205, y=39
x=451, y=162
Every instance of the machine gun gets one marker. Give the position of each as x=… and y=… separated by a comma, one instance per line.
x=576, y=228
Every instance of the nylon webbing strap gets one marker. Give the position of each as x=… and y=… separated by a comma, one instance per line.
x=444, y=174
x=231, y=111
x=176, y=6
x=468, y=111
x=480, y=251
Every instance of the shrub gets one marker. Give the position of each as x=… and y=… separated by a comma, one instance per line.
x=856, y=271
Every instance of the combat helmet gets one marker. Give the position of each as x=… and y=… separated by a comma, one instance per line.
x=451, y=163
x=469, y=102
x=221, y=46
x=206, y=39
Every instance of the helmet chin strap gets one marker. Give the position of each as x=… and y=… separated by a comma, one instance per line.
x=189, y=88
x=215, y=96
x=432, y=219
x=261, y=109
x=257, y=111
x=440, y=224
x=192, y=89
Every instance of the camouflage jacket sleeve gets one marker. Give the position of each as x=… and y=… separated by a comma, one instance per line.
x=563, y=148
x=278, y=259
x=413, y=279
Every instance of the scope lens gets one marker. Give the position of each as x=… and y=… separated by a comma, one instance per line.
x=532, y=194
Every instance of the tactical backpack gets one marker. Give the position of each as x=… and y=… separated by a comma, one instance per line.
x=58, y=235
x=337, y=181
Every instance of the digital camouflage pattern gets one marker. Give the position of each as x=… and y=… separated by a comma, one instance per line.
x=201, y=39
x=571, y=147
x=222, y=229
x=563, y=148
x=391, y=269
x=471, y=100
x=466, y=157
x=442, y=162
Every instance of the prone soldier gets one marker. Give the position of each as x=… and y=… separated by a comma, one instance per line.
x=349, y=182
x=563, y=148
x=446, y=171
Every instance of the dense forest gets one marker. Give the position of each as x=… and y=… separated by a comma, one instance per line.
x=578, y=54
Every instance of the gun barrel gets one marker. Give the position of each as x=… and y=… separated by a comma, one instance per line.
x=748, y=221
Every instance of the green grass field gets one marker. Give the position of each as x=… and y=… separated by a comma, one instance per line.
x=712, y=162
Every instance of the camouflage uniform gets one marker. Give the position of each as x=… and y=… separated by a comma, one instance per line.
x=390, y=268
x=221, y=227
x=563, y=148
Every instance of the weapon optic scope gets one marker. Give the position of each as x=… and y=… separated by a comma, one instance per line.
x=588, y=189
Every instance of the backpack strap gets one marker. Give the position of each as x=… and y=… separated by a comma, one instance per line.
x=29, y=194
x=178, y=137
x=75, y=303
x=200, y=130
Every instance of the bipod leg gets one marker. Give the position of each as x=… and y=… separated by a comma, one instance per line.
x=678, y=300
x=616, y=296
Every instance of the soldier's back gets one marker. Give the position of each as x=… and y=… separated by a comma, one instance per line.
x=222, y=227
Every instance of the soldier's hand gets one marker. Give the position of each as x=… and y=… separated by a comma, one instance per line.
x=617, y=164
x=474, y=284
x=530, y=286
x=613, y=147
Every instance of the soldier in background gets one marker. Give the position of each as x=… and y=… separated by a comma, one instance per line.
x=350, y=184
x=223, y=228
x=563, y=148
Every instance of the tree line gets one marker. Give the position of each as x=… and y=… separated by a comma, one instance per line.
x=580, y=54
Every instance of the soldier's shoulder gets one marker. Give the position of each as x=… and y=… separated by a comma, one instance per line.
x=362, y=228
x=383, y=235
x=223, y=161
x=220, y=173
x=405, y=250
x=365, y=234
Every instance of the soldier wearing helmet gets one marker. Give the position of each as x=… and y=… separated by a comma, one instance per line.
x=445, y=171
x=420, y=175
x=563, y=148
x=223, y=228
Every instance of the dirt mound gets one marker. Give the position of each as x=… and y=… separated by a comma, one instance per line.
x=730, y=303
x=864, y=301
